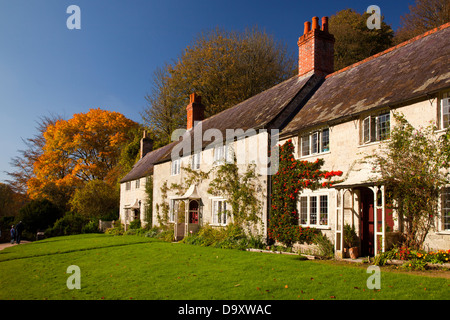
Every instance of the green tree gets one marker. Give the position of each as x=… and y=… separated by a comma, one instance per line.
x=224, y=67
x=413, y=166
x=96, y=199
x=424, y=15
x=39, y=215
x=354, y=40
x=164, y=112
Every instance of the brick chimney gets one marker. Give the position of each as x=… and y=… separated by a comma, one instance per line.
x=195, y=110
x=316, y=49
x=146, y=145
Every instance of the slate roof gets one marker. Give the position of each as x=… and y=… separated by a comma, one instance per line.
x=408, y=71
x=265, y=110
x=144, y=167
x=270, y=108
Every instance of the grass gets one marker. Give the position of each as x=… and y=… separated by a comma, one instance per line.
x=132, y=267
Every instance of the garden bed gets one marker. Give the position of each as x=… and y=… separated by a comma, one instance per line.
x=397, y=262
x=309, y=257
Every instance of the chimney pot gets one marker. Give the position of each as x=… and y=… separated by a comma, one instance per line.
x=307, y=27
x=316, y=49
x=195, y=110
x=315, y=23
x=146, y=145
x=325, y=24
x=195, y=98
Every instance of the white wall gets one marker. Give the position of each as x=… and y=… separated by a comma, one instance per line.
x=345, y=152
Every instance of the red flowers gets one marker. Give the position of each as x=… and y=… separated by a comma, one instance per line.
x=292, y=177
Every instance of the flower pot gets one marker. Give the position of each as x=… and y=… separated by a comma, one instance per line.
x=353, y=251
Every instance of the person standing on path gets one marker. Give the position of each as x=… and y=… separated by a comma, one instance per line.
x=19, y=229
x=12, y=232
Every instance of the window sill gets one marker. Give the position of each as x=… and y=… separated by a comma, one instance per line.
x=316, y=226
x=373, y=143
x=218, y=225
x=315, y=155
x=441, y=130
x=445, y=232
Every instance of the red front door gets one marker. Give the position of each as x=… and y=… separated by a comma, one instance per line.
x=193, y=211
x=366, y=222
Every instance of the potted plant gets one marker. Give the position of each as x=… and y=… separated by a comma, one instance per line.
x=351, y=241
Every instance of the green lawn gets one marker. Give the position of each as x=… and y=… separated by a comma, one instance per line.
x=131, y=267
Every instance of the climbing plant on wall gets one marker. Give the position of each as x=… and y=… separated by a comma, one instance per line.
x=241, y=189
x=292, y=177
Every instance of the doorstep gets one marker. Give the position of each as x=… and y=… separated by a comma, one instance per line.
x=357, y=260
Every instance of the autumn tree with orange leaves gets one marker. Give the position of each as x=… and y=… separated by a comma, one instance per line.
x=84, y=148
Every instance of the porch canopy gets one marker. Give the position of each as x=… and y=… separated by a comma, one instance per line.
x=183, y=228
x=361, y=176
x=191, y=193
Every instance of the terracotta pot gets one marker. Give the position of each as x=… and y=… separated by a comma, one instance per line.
x=353, y=251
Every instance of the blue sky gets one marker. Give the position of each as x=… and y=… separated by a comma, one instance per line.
x=45, y=68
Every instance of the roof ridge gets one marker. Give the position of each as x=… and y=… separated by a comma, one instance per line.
x=423, y=35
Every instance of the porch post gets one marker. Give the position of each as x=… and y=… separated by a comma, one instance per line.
x=175, y=225
x=186, y=217
x=339, y=223
x=383, y=218
x=382, y=232
x=375, y=220
x=342, y=218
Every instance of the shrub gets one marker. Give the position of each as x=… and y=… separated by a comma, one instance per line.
x=415, y=264
x=350, y=237
x=117, y=230
x=135, y=224
x=166, y=235
x=232, y=236
x=90, y=227
x=71, y=223
x=326, y=248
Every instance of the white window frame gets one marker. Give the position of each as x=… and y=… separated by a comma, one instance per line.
x=175, y=167
x=137, y=183
x=196, y=158
x=128, y=186
x=219, y=207
x=445, y=110
x=313, y=143
x=223, y=153
x=314, y=207
x=305, y=145
x=218, y=155
x=371, y=127
x=445, y=209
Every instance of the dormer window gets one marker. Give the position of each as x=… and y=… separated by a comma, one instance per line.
x=376, y=128
x=315, y=142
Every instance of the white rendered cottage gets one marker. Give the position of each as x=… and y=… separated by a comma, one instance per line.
x=339, y=116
